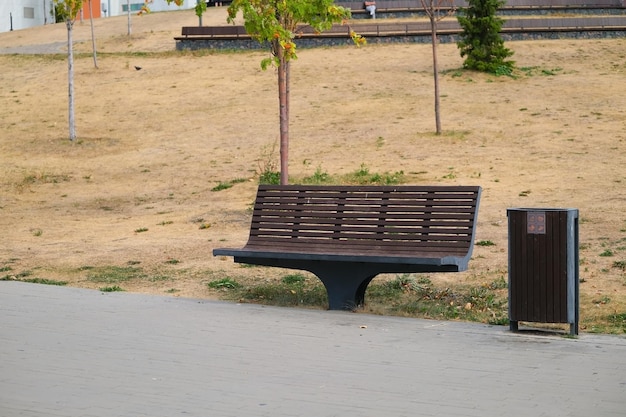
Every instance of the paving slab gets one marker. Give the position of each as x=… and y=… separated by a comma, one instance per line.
x=46, y=48
x=72, y=352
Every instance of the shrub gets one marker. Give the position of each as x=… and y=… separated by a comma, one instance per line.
x=480, y=42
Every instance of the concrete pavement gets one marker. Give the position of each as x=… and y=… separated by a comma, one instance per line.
x=71, y=352
x=47, y=48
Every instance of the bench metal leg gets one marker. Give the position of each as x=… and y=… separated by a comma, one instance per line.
x=345, y=284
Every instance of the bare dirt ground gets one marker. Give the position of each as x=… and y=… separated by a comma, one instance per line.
x=136, y=186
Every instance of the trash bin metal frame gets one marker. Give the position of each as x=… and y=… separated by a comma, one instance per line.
x=543, y=266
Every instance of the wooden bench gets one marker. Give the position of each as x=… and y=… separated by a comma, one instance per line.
x=346, y=235
x=239, y=32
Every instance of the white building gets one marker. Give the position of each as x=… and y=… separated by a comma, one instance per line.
x=22, y=14
x=118, y=7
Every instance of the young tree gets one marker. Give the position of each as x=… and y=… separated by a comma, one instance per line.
x=275, y=23
x=200, y=9
x=481, y=43
x=435, y=11
x=68, y=11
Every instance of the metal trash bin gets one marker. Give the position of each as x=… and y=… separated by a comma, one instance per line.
x=543, y=266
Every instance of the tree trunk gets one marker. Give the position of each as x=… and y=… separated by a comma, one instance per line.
x=93, y=38
x=70, y=79
x=288, y=90
x=283, y=107
x=129, y=23
x=433, y=26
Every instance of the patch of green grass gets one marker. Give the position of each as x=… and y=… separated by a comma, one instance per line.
x=363, y=176
x=404, y=283
x=292, y=279
x=535, y=70
x=426, y=309
x=222, y=186
x=224, y=283
x=156, y=278
x=141, y=230
x=620, y=265
x=16, y=277
x=114, y=274
x=269, y=177
x=405, y=295
x=268, y=171
x=114, y=288
x=499, y=284
x=294, y=294
x=421, y=298
x=44, y=178
x=485, y=243
x=617, y=321
x=607, y=252
x=504, y=70
x=602, y=300
x=227, y=184
x=553, y=71
x=450, y=175
x=318, y=177
x=614, y=323
x=86, y=268
x=44, y=281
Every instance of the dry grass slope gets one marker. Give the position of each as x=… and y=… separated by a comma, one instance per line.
x=135, y=190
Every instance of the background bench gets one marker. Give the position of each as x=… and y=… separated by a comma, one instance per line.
x=346, y=235
x=209, y=36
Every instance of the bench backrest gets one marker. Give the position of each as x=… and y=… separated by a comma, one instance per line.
x=214, y=31
x=394, y=219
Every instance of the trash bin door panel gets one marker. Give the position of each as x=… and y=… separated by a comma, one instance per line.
x=538, y=265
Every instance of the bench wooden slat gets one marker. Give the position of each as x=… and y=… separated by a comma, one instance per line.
x=318, y=246
x=456, y=214
x=369, y=232
x=371, y=206
x=390, y=218
x=316, y=251
x=347, y=240
x=416, y=251
x=369, y=191
x=377, y=232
